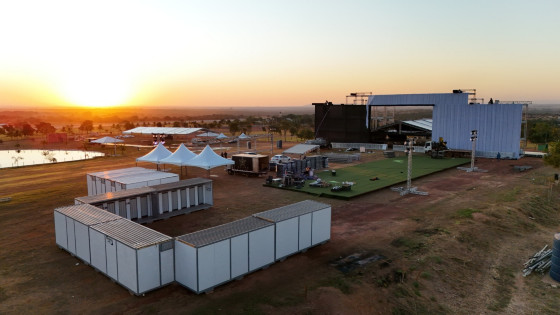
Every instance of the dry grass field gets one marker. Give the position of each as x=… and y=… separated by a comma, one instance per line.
x=459, y=250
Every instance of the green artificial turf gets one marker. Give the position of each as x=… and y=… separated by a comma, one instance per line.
x=390, y=172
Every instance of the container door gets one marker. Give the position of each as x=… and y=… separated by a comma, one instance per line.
x=165, y=201
x=191, y=196
x=71, y=235
x=321, y=226
x=144, y=206
x=174, y=200
x=133, y=208
x=305, y=231
x=184, y=199
x=111, y=207
x=122, y=209
x=60, y=230
x=111, y=252
x=200, y=190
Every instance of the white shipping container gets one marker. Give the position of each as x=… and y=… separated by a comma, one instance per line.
x=122, y=179
x=135, y=256
x=208, y=258
x=299, y=226
x=72, y=224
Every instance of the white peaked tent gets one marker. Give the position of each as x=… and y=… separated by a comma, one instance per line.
x=221, y=136
x=243, y=136
x=208, y=159
x=106, y=140
x=156, y=155
x=179, y=157
x=208, y=134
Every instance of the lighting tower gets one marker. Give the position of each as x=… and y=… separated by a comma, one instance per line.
x=474, y=137
x=409, y=189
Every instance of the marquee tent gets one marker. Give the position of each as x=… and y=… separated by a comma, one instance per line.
x=208, y=159
x=221, y=136
x=106, y=140
x=156, y=155
x=179, y=157
x=243, y=136
x=208, y=134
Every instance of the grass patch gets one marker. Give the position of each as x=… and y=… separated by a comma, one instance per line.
x=466, y=213
x=508, y=196
x=542, y=210
x=411, y=246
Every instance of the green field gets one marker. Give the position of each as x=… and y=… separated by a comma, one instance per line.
x=390, y=172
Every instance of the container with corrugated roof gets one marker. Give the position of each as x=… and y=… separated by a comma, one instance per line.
x=127, y=178
x=71, y=225
x=146, y=204
x=298, y=226
x=137, y=257
x=210, y=257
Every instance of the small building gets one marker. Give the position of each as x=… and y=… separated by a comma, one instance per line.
x=146, y=204
x=208, y=258
x=298, y=226
x=71, y=226
x=137, y=257
x=249, y=164
x=127, y=178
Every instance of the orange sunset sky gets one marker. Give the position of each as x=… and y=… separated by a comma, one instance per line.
x=273, y=53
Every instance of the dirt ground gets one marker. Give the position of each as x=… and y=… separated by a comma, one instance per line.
x=459, y=250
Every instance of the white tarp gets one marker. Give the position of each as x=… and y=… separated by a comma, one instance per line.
x=107, y=140
x=301, y=149
x=179, y=157
x=208, y=159
x=156, y=155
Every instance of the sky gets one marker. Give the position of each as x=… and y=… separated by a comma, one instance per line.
x=183, y=53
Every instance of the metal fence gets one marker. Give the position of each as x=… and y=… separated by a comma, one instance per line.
x=367, y=146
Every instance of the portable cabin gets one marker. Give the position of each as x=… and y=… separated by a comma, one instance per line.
x=298, y=226
x=208, y=258
x=96, y=180
x=145, y=204
x=133, y=204
x=137, y=257
x=134, y=177
x=71, y=225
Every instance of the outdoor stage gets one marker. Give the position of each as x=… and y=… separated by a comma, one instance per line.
x=390, y=172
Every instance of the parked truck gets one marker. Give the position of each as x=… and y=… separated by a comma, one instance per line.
x=249, y=164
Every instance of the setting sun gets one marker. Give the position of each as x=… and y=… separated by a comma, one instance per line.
x=94, y=87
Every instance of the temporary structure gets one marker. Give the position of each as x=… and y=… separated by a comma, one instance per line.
x=208, y=134
x=133, y=255
x=210, y=257
x=71, y=227
x=122, y=179
x=106, y=140
x=179, y=157
x=159, y=153
x=221, y=136
x=146, y=204
x=208, y=159
x=299, y=226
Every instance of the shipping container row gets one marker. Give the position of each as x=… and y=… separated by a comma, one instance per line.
x=141, y=259
x=146, y=204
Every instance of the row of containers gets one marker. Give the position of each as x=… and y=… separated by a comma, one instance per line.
x=315, y=162
x=141, y=259
x=146, y=204
x=126, y=178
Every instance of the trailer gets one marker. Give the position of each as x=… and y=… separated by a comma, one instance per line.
x=249, y=164
x=122, y=179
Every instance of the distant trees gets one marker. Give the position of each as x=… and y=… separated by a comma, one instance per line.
x=87, y=126
x=543, y=131
x=45, y=128
x=553, y=156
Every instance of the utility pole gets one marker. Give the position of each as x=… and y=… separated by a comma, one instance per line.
x=474, y=137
